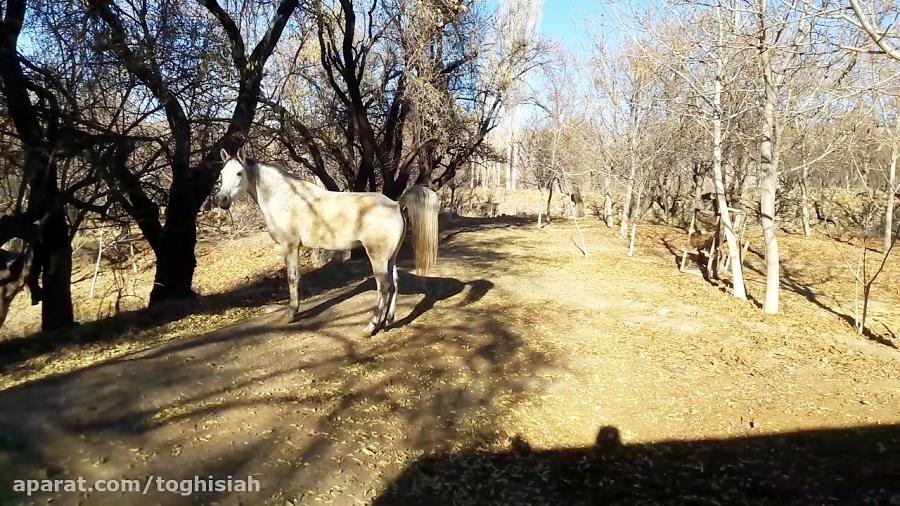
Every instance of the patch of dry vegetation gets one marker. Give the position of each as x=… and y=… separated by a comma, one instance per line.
x=115, y=321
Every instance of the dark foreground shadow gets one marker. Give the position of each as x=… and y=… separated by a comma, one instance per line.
x=847, y=466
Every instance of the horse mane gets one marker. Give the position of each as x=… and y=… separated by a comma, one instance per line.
x=281, y=170
x=293, y=181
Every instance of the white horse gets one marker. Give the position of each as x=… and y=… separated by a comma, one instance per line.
x=299, y=213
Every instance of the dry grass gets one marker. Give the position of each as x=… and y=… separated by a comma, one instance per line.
x=120, y=290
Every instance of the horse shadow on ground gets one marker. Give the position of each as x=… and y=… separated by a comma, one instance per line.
x=317, y=312
x=434, y=290
x=844, y=466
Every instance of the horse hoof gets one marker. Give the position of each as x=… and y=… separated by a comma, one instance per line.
x=371, y=329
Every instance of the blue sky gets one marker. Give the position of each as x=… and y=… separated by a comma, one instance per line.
x=567, y=21
x=571, y=22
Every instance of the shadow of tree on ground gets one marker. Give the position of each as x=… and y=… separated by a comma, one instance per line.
x=845, y=466
x=792, y=280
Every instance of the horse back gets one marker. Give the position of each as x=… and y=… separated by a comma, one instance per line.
x=340, y=220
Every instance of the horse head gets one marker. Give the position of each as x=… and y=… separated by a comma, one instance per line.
x=233, y=178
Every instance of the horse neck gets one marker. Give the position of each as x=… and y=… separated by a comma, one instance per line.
x=267, y=181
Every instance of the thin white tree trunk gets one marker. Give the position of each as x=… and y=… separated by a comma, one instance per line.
x=804, y=206
x=768, y=167
x=540, y=222
x=513, y=166
x=629, y=189
x=631, y=242
x=637, y=202
x=734, y=249
x=607, y=203
x=97, y=264
x=891, y=192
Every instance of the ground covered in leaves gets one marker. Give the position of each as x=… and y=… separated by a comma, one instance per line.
x=519, y=372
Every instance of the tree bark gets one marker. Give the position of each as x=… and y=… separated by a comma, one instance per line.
x=768, y=165
x=175, y=258
x=629, y=189
x=891, y=197
x=804, y=203
x=53, y=251
x=549, y=198
x=52, y=261
x=734, y=249
x=636, y=215
x=607, y=202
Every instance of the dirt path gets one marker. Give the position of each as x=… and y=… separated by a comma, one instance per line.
x=518, y=372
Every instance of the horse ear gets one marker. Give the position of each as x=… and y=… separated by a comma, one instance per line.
x=240, y=155
x=224, y=155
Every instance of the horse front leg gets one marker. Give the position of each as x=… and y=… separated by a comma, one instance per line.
x=292, y=262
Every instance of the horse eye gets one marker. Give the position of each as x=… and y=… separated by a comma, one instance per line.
x=241, y=173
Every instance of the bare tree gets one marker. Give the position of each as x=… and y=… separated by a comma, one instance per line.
x=399, y=98
x=781, y=34
x=126, y=33
x=708, y=84
x=869, y=22
x=625, y=95
x=42, y=223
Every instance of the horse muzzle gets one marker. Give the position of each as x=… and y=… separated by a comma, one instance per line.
x=224, y=201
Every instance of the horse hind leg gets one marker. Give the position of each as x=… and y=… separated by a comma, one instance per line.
x=392, y=271
x=292, y=262
x=382, y=281
x=392, y=292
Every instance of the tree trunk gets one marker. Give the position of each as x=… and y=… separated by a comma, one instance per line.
x=636, y=215
x=513, y=166
x=734, y=249
x=697, y=198
x=768, y=185
x=52, y=260
x=629, y=189
x=664, y=200
x=891, y=197
x=53, y=251
x=607, y=203
x=804, y=203
x=549, y=198
x=56, y=278
x=175, y=258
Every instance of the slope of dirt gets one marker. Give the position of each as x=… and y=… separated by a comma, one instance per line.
x=519, y=372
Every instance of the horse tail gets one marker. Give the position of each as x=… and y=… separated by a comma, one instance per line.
x=422, y=205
